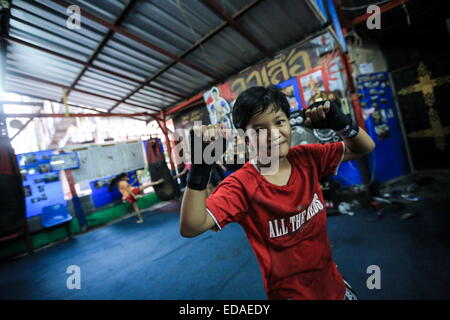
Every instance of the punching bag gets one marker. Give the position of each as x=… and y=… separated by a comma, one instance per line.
x=12, y=197
x=13, y=220
x=158, y=169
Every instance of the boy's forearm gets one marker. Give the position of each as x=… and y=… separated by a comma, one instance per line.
x=361, y=144
x=193, y=211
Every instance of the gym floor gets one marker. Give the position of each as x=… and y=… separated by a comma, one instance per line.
x=151, y=260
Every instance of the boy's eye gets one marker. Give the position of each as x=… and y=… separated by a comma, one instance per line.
x=281, y=121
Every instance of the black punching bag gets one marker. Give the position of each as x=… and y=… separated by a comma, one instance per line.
x=13, y=221
x=158, y=169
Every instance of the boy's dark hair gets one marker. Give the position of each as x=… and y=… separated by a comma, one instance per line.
x=256, y=100
x=116, y=180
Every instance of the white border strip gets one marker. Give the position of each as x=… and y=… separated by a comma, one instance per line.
x=342, y=158
x=214, y=218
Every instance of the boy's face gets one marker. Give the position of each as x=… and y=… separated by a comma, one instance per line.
x=277, y=133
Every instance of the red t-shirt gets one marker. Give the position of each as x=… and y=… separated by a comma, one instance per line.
x=286, y=225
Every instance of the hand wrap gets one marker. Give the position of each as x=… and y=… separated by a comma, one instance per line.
x=334, y=119
x=200, y=171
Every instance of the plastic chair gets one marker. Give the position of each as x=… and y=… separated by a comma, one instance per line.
x=55, y=215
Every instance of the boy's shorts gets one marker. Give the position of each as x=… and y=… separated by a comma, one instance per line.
x=129, y=198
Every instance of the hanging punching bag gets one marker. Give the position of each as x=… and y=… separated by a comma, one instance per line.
x=158, y=169
x=13, y=220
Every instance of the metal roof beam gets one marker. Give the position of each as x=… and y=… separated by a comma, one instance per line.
x=218, y=10
x=69, y=104
x=102, y=44
x=186, y=103
x=195, y=46
x=179, y=106
x=21, y=103
x=129, y=35
x=74, y=115
x=75, y=60
x=52, y=100
x=26, y=76
x=220, y=27
x=56, y=54
x=59, y=55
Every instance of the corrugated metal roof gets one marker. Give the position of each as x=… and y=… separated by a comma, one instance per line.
x=235, y=53
x=288, y=19
x=182, y=47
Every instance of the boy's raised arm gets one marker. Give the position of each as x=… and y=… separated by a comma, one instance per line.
x=194, y=219
x=327, y=115
x=358, y=146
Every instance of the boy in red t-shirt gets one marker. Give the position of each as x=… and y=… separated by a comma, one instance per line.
x=282, y=211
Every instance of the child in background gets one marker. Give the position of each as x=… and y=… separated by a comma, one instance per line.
x=130, y=193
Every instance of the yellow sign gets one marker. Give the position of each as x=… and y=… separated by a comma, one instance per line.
x=282, y=68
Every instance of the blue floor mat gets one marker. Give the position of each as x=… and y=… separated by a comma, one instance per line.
x=151, y=260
